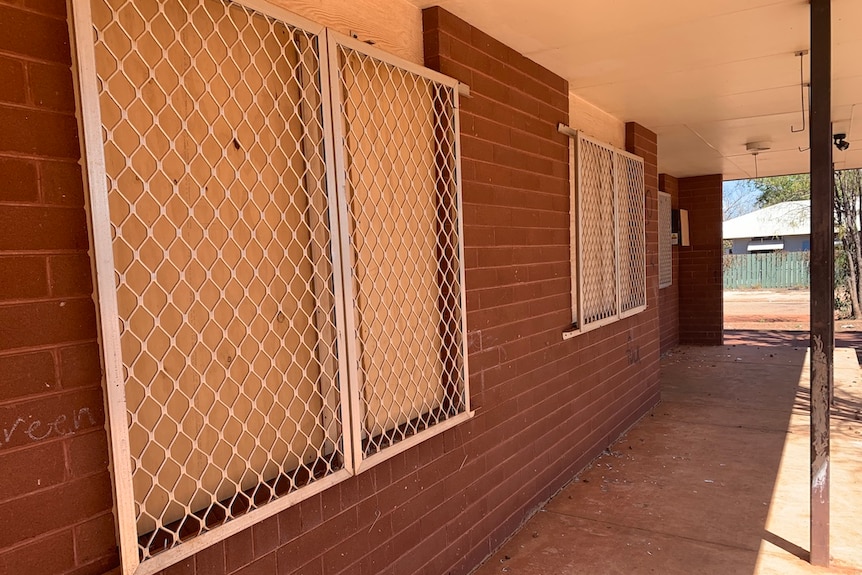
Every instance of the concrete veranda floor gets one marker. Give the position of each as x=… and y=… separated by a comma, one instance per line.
x=714, y=481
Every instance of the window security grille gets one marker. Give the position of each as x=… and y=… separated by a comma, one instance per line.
x=279, y=260
x=631, y=232
x=608, y=234
x=665, y=254
x=398, y=130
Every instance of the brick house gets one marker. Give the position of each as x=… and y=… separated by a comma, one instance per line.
x=224, y=349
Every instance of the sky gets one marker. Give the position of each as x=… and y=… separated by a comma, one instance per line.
x=738, y=198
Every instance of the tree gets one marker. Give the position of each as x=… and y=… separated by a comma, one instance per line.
x=737, y=198
x=779, y=189
x=848, y=194
x=848, y=199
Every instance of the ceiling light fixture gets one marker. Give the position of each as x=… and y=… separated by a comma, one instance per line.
x=757, y=147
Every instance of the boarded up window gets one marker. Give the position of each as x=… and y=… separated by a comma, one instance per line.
x=213, y=145
x=277, y=224
x=399, y=150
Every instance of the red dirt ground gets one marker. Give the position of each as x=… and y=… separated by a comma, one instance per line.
x=778, y=317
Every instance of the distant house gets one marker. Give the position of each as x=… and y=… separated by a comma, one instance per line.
x=780, y=227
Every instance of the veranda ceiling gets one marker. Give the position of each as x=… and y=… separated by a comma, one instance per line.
x=708, y=76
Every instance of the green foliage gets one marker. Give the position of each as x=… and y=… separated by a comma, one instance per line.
x=779, y=189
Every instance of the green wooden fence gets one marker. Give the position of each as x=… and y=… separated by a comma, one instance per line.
x=771, y=270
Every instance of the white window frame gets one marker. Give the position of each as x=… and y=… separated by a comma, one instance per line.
x=361, y=461
x=579, y=179
x=103, y=257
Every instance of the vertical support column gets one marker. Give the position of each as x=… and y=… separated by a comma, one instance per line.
x=822, y=273
x=701, y=288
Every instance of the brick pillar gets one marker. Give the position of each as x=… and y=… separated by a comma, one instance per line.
x=668, y=298
x=701, y=303
x=644, y=143
x=55, y=490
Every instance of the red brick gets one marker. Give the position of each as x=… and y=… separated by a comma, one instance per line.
x=62, y=183
x=55, y=508
x=293, y=555
x=45, y=323
x=54, y=553
x=239, y=550
x=289, y=524
x=104, y=566
x=346, y=553
x=51, y=86
x=37, y=467
x=80, y=366
x=266, y=565
x=266, y=537
x=71, y=275
x=88, y=453
x=95, y=538
x=13, y=88
x=183, y=567
x=311, y=513
x=49, y=7
x=27, y=374
x=36, y=132
x=18, y=180
x=34, y=36
x=50, y=418
x=23, y=277
x=700, y=289
x=211, y=561
x=40, y=228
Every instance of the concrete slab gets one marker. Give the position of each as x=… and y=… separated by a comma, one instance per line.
x=715, y=480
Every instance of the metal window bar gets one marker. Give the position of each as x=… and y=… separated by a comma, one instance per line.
x=397, y=149
x=631, y=230
x=597, y=233
x=665, y=250
x=609, y=244
x=218, y=242
x=207, y=148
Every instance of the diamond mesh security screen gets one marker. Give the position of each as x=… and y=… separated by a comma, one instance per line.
x=598, y=211
x=214, y=150
x=665, y=254
x=282, y=209
x=631, y=229
x=399, y=150
x=608, y=248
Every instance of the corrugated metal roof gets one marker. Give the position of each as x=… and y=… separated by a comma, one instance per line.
x=784, y=219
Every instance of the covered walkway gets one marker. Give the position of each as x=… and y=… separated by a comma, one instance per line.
x=715, y=480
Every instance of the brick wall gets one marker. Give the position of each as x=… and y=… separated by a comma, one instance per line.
x=55, y=494
x=545, y=407
x=701, y=300
x=669, y=297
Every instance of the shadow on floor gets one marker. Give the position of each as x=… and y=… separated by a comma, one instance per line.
x=714, y=481
x=852, y=339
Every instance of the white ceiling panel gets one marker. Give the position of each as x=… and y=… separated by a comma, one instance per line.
x=707, y=75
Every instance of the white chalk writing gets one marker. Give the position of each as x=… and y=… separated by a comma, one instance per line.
x=30, y=429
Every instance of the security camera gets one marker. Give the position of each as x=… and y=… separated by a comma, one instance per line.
x=840, y=142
